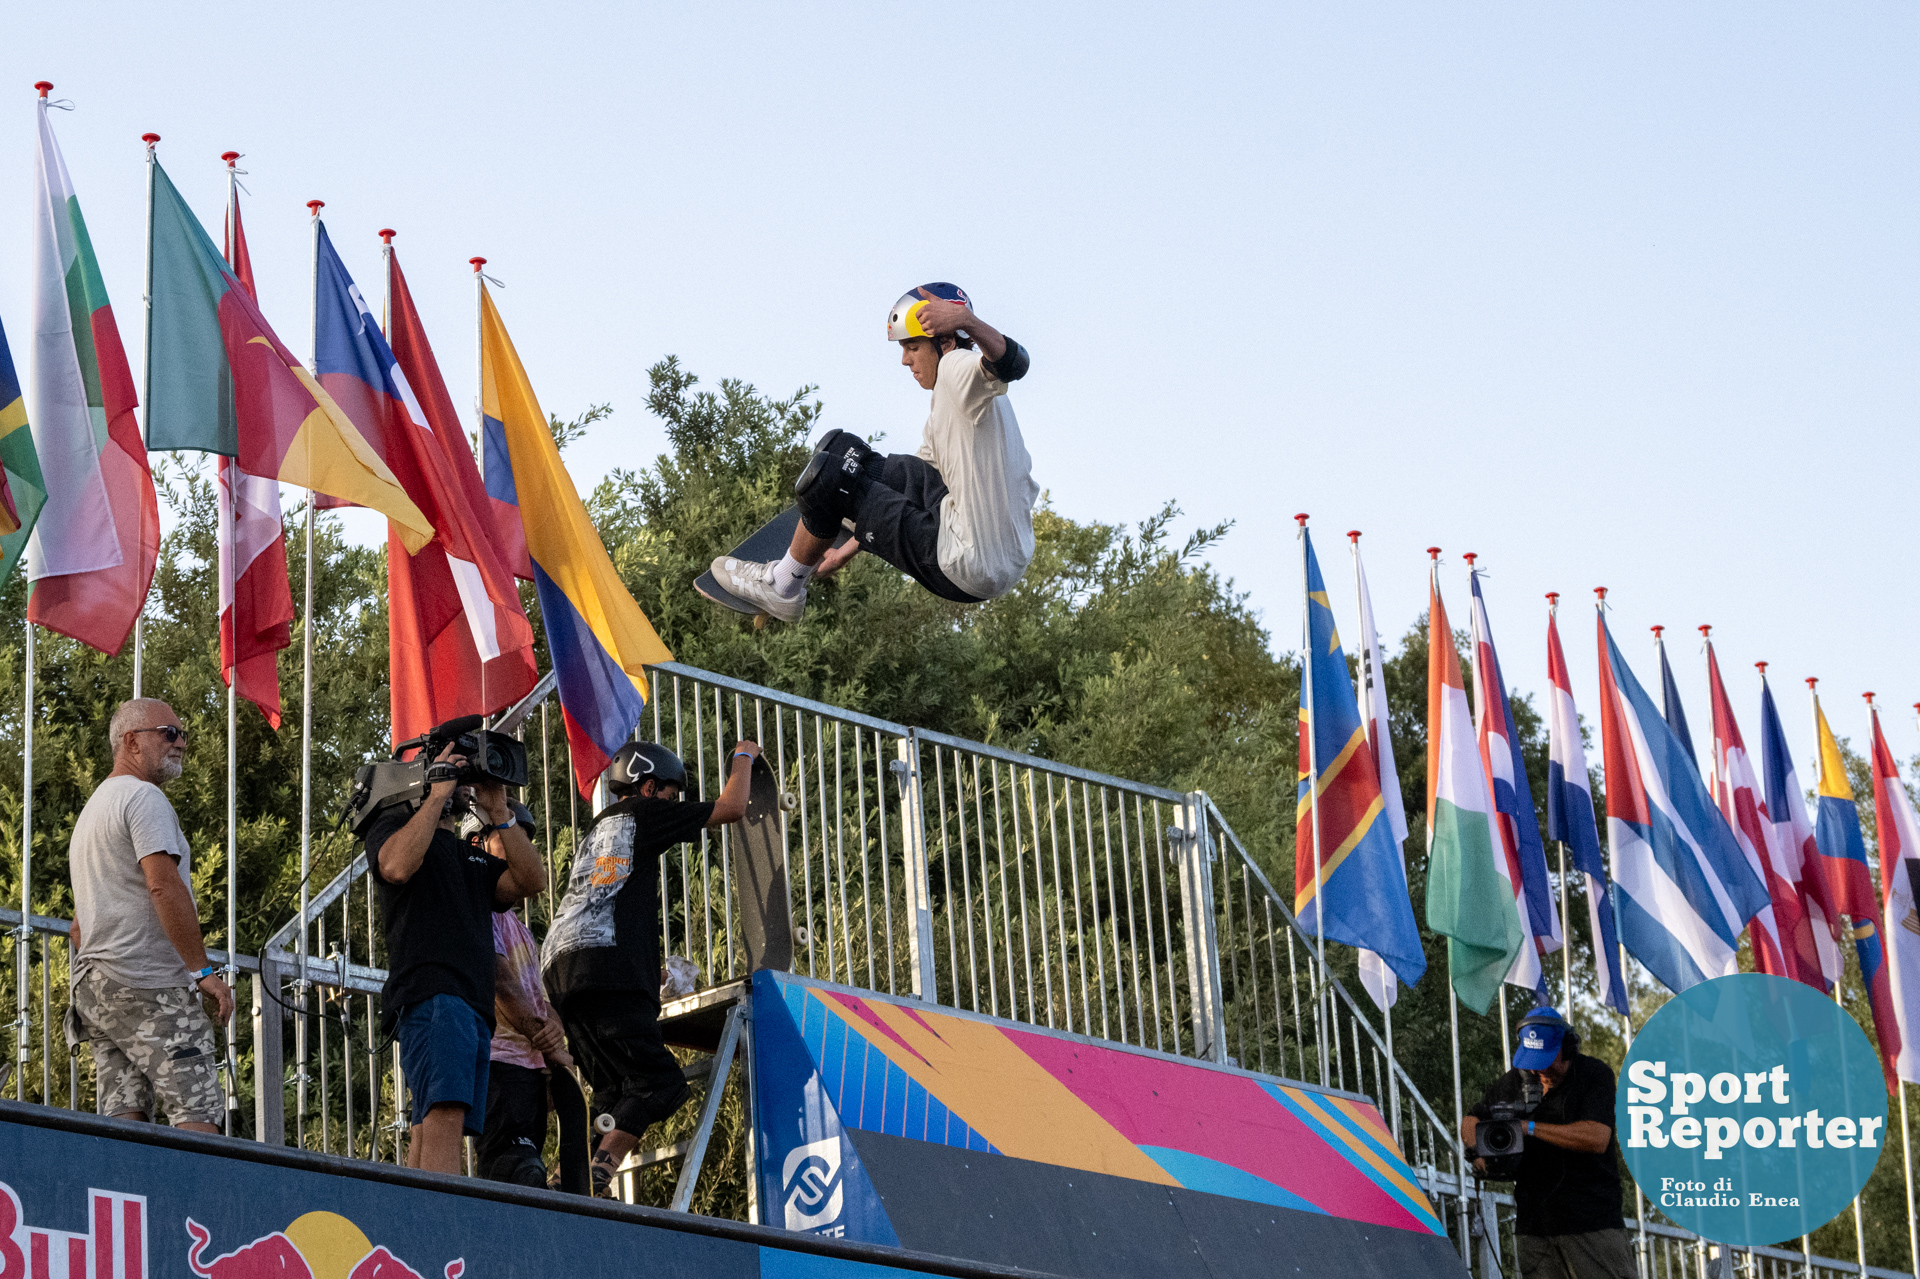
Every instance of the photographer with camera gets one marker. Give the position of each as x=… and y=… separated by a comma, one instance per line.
x=438, y=896
x=603, y=951
x=1548, y=1125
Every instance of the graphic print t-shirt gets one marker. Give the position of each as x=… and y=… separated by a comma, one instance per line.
x=606, y=935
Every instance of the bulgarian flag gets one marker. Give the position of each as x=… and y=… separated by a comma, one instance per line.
x=221, y=382
x=1469, y=900
x=91, y=556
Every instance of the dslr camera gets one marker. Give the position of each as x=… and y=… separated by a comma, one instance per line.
x=1501, y=1137
x=493, y=758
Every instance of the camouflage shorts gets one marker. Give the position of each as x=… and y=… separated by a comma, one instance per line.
x=148, y=1042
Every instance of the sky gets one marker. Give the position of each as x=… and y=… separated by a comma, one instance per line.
x=1619, y=296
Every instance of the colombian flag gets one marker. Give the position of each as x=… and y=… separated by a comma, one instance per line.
x=221, y=382
x=598, y=640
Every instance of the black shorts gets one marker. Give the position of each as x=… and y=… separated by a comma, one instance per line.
x=516, y=1128
x=895, y=511
x=615, y=1038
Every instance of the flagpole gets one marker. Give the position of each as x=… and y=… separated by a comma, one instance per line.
x=306, y=715
x=23, y=1026
x=232, y=522
x=1313, y=802
x=146, y=388
x=479, y=404
x=1459, y=1108
x=1366, y=646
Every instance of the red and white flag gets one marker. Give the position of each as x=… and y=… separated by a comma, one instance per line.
x=1782, y=933
x=256, y=598
x=1898, y=835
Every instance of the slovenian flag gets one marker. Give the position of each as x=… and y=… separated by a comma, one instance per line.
x=1843, y=857
x=1522, y=855
x=1898, y=835
x=1570, y=820
x=1786, y=812
x=598, y=640
x=91, y=556
x=1469, y=896
x=459, y=641
x=1685, y=891
x=1782, y=934
x=221, y=382
x=1360, y=897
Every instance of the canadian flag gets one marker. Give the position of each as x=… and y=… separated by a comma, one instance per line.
x=256, y=600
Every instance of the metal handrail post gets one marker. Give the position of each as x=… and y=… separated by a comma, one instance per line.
x=1202, y=931
x=913, y=853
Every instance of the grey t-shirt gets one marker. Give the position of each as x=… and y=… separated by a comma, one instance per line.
x=120, y=933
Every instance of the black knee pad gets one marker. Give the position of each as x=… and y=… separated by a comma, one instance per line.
x=830, y=487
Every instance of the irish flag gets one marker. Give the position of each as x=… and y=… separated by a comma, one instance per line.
x=91, y=556
x=221, y=382
x=1469, y=899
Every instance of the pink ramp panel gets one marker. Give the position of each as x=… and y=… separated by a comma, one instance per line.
x=1073, y=1103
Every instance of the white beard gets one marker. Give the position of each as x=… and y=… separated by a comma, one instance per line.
x=169, y=769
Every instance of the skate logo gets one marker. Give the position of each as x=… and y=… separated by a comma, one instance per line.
x=810, y=1185
x=114, y=1246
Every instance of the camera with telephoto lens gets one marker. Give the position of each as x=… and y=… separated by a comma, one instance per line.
x=490, y=758
x=1502, y=1135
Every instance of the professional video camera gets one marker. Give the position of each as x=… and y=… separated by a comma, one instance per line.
x=1499, y=1138
x=490, y=757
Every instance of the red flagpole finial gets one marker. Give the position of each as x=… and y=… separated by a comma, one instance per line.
x=1553, y=599
x=45, y=87
x=1433, y=552
x=1658, y=632
x=1470, y=557
x=1762, y=668
x=149, y=139
x=1301, y=519
x=314, y=206
x=1811, y=681
x=386, y=234
x=1353, y=535
x=1706, y=632
x=477, y=263
x=229, y=157
x=1869, y=697
x=1601, y=591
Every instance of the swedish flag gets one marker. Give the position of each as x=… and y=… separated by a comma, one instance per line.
x=22, y=491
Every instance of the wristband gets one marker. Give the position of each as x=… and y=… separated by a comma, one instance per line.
x=506, y=825
x=195, y=978
x=743, y=755
x=1529, y=1127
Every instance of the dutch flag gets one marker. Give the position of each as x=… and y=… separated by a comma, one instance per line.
x=1570, y=820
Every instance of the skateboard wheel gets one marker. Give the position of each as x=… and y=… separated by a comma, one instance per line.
x=603, y=1124
x=801, y=935
x=789, y=801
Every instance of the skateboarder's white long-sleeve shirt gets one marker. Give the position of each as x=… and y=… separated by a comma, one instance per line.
x=973, y=440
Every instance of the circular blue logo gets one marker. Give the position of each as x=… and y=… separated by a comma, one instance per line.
x=1751, y=1109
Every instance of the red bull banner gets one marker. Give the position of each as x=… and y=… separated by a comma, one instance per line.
x=82, y=1198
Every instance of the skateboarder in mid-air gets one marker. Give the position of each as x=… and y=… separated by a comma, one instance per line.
x=957, y=516
x=602, y=962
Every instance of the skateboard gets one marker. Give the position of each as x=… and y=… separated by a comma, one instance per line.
x=761, y=876
x=576, y=1132
x=768, y=542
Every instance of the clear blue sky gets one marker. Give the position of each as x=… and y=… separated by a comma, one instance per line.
x=1619, y=296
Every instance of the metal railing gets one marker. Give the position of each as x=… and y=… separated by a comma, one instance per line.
x=917, y=864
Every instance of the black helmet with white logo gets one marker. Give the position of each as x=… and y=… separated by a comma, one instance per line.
x=637, y=763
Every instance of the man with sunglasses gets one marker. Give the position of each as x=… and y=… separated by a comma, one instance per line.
x=140, y=963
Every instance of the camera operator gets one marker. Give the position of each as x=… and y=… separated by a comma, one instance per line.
x=603, y=951
x=1566, y=1191
x=437, y=897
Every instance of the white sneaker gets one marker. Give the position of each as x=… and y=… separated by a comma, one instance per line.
x=752, y=581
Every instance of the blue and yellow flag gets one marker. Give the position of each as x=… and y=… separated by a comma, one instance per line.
x=1360, y=893
x=598, y=640
x=22, y=491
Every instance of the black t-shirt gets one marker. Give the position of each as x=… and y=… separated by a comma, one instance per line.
x=1559, y=1191
x=438, y=925
x=606, y=934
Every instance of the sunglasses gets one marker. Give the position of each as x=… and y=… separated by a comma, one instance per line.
x=174, y=733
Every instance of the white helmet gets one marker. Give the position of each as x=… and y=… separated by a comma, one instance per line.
x=903, y=321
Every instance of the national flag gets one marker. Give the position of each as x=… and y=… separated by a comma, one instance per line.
x=1843, y=858
x=1342, y=831
x=1670, y=708
x=598, y=640
x=411, y=352
x=1792, y=839
x=90, y=558
x=459, y=642
x=256, y=599
x=1781, y=933
x=1376, y=975
x=1685, y=891
x=20, y=483
x=1898, y=834
x=221, y=382
x=1570, y=820
x=1469, y=898
x=1521, y=855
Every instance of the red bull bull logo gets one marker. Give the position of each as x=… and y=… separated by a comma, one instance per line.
x=318, y=1245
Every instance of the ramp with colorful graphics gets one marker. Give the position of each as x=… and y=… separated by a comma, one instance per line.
x=889, y=1121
